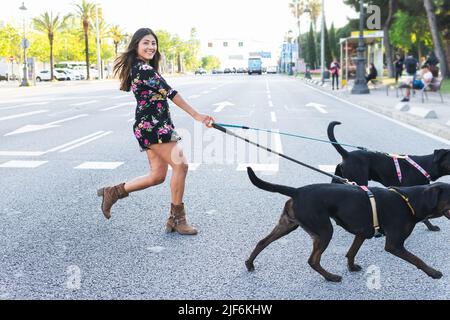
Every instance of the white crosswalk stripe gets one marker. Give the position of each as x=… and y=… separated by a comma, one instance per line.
x=99, y=165
x=22, y=164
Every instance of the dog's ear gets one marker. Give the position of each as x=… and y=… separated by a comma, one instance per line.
x=439, y=154
x=431, y=198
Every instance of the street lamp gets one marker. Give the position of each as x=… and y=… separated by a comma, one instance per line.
x=322, y=45
x=99, y=59
x=25, y=44
x=360, y=86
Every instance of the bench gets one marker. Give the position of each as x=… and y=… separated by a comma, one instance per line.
x=376, y=83
x=434, y=86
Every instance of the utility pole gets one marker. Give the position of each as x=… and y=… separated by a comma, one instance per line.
x=25, y=45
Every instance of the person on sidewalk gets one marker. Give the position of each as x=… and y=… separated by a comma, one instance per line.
x=334, y=69
x=426, y=78
x=411, y=65
x=373, y=73
x=433, y=62
x=138, y=71
x=398, y=65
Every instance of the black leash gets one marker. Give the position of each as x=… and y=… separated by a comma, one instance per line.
x=340, y=179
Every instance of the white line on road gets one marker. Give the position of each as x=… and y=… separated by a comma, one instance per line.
x=26, y=105
x=120, y=97
x=273, y=117
x=74, y=141
x=86, y=141
x=222, y=105
x=318, y=107
x=119, y=106
x=22, y=164
x=270, y=103
x=328, y=168
x=83, y=103
x=430, y=135
x=21, y=153
x=194, y=96
x=54, y=124
x=205, y=92
x=99, y=165
x=269, y=96
x=20, y=115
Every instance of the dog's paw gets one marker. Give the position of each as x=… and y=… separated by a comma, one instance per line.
x=435, y=274
x=354, y=268
x=334, y=278
x=250, y=266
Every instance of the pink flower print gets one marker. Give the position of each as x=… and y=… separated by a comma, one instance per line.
x=146, y=67
x=144, y=92
x=147, y=125
x=142, y=102
x=159, y=106
x=146, y=142
x=162, y=131
x=138, y=134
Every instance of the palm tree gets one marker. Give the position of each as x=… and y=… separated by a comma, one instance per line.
x=48, y=24
x=117, y=35
x=86, y=11
x=429, y=7
x=315, y=6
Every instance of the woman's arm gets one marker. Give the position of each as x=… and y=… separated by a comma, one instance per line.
x=180, y=102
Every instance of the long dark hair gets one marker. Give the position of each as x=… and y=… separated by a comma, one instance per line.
x=124, y=63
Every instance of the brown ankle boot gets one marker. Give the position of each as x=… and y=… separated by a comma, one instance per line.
x=110, y=196
x=177, y=221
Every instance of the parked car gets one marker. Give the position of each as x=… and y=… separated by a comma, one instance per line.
x=272, y=69
x=44, y=75
x=3, y=77
x=227, y=70
x=70, y=74
x=241, y=70
x=200, y=71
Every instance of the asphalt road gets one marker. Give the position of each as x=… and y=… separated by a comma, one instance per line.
x=59, y=143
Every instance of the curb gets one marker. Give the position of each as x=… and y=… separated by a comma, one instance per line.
x=437, y=129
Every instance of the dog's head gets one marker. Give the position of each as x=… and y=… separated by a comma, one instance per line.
x=436, y=200
x=441, y=159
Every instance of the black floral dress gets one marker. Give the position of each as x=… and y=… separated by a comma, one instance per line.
x=153, y=123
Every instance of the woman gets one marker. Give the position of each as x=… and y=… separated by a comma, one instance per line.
x=373, y=73
x=334, y=69
x=137, y=69
x=398, y=64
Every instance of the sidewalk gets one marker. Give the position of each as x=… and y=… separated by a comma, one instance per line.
x=432, y=116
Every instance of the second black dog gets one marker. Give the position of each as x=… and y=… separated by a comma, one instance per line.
x=362, y=166
x=312, y=206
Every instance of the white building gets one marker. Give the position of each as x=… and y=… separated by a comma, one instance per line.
x=234, y=53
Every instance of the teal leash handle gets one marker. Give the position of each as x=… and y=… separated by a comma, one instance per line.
x=290, y=135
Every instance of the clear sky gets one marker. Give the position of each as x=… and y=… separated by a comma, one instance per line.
x=266, y=20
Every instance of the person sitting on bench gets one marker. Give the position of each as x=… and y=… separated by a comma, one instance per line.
x=373, y=73
x=426, y=78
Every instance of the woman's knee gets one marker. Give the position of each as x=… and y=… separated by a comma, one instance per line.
x=181, y=167
x=155, y=179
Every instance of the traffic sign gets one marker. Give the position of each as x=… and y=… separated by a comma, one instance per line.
x=11, y=58
x=25, y=43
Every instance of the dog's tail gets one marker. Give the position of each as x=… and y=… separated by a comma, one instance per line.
x=287, y=191
x=332, y=138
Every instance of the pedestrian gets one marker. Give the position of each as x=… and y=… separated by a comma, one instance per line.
x=138, y=71
x=398, y=65
x=433, y=61
x=334, y=69
x=373, y=73
x=411, y=65
x=426, y=78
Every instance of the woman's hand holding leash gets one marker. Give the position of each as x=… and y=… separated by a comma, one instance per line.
x=205, y=119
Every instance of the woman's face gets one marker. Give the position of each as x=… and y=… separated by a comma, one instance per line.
x=147, y=48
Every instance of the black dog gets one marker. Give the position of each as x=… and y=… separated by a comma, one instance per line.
x=312, y=206
x=362, y=166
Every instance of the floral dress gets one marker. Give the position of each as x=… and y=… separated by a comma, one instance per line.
x=153, y=123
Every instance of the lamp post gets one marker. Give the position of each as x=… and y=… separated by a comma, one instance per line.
x=322, y=45
x=25, y=44
x=360, y=86
x=99, y=59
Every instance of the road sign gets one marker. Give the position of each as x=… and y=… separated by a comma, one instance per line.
x=25, y=43
x=11, y=59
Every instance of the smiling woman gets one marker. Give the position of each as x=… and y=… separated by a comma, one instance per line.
x=154, y=130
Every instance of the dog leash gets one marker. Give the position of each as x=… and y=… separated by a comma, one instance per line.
x=226, y=125
x=340, y=179
x=221, y=128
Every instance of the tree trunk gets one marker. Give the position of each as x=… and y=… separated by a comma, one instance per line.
x=116, y=44
x=86, y=43
x=438, y=49
x=386, y=38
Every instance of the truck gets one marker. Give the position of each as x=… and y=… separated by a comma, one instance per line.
x=254, y=65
